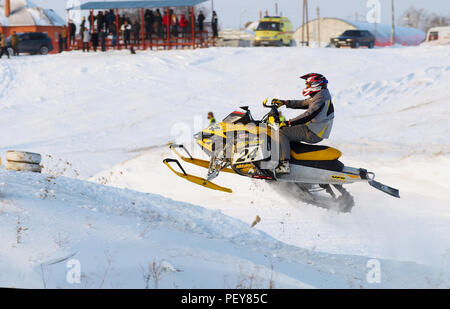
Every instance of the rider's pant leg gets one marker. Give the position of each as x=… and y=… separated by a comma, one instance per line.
x=298, y=133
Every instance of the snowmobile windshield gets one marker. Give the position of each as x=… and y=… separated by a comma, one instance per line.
x=268, y=26
x=237, y=117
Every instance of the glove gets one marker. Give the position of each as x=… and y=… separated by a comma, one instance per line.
x=278, y=102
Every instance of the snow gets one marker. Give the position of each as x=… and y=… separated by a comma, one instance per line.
x=106, y=117
x=116, y=234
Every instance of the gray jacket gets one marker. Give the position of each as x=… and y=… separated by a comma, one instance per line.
x=319, y=115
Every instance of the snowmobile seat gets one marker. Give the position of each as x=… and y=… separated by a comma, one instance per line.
x=332, y=165
x=308, y=152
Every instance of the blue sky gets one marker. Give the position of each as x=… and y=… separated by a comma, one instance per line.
x=232, y=11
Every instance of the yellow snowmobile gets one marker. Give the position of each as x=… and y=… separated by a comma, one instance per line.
x=247, y=147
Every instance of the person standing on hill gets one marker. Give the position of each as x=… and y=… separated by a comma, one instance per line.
x=94, y=40
x=111, y=20
x=211, y=118
x=3, y=49
x=149, y=19
x=126, y=30
x=200, y=21
x=136, y=32
x=183, y=24
x=72, y=32
x=215, y=24
x=15, y=43
x=64, y=36
x=166, y=21
x=157, y=24
x=82, y=28
x=86, y=39
x=174, y=24
x=103, y=36
x=60, y=43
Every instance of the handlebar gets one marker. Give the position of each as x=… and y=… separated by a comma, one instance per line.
x=269, y=105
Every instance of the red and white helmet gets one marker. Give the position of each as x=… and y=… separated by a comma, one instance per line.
x=314, y=83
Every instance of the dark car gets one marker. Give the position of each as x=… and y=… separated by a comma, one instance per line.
x=354, y=39
x=32, y=43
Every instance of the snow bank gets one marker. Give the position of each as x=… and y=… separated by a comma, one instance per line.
x=104, y=115
x=115, y=235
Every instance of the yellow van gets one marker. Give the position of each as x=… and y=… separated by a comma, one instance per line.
x=274, y=31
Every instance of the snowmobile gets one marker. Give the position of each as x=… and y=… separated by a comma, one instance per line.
x=244, y=146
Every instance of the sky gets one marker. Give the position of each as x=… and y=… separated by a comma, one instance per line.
x=235, y=13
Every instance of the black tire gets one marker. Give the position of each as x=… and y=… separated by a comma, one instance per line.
x=10, y=51
x=356, y=45
x=43, y=50
x=371, y=45
x=280, y=43
x=23, y=167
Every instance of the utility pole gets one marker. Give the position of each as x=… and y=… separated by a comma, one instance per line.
x=305, y=23
x=375, y=32
x=276, y=9
x=318, y=26
x=212, y=6
x=393, y=24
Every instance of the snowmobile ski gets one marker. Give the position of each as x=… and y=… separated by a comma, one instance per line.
x=195, y=161
x=195, y=179
x=386, y=189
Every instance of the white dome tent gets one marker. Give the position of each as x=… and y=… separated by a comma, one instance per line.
x=331, y=27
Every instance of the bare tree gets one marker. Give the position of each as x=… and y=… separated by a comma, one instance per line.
x=421, y=19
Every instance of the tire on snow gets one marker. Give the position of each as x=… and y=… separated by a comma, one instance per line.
x=23, y=157
x=22, y=167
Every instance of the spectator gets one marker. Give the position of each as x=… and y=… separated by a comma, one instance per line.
x=92, y=20
x=86, y=39
x=15, y=43
x=103, y=36
x=64, y=37
x=166, y=21
x=114, y=38
x=215, y=24
x=149, y=19
x=72, y=32
x=211, y=118
x=82, y=28
x=94, y=40
x=3, y=49
x=60, y=43
x=200, y=21
x=136, y=32
x=111, y=21
x=126, y=30
x=183, y=24
x=100, y=21
x=157, y=24
x=174, y=24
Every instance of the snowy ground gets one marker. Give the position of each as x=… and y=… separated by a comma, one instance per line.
x=109, y=114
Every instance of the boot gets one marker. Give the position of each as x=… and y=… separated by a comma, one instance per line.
x=283, y=167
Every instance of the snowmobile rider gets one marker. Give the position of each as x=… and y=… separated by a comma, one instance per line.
x=313, y=125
